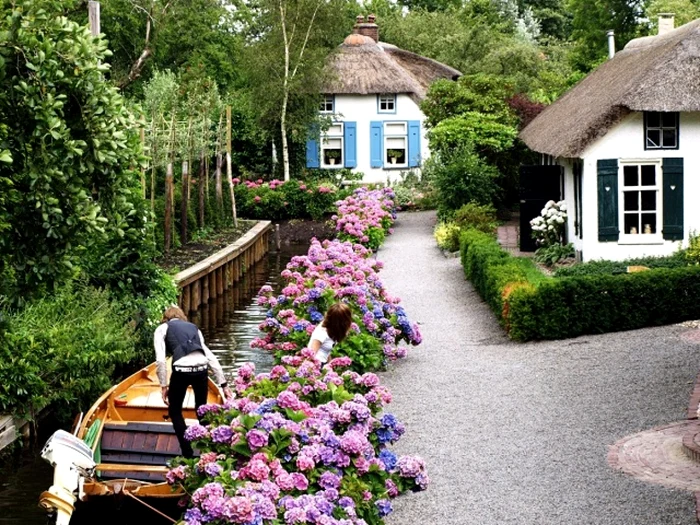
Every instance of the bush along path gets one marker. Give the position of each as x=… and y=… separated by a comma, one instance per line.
x=306, y=443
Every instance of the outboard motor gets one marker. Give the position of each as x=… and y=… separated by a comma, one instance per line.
x=72, y=460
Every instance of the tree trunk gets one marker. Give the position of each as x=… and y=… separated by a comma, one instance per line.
x=283, y=130
x=219, y=189
x=229, y=169
x=200, y=183
x=168, y=206
x=183, y=202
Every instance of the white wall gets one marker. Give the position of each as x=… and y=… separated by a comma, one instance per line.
x=362, y=109
x=625, y=141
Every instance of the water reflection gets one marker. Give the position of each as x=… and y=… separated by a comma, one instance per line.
x=230, y=323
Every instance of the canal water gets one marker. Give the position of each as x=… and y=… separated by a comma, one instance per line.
x=228, y=326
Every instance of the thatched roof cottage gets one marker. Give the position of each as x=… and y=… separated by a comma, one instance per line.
x=373, y=94
x=617, y=145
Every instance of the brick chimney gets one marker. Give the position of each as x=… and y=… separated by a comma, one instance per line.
x=369, y=28
x=666, y=22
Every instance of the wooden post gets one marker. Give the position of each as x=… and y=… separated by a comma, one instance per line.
x=212, y=285
x=205, y=289
x=278, y=240
x=143, y=170
x=183, y=202
x=219, y=189
x=200, y=182
x=220, y=280
x=168, y=206
x=94, y=17
x=185, y=295
x=229, y=169
x=196, y=295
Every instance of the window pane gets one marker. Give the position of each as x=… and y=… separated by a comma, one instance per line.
x=668, y=120
x=395, y=128
x=648, y=223
x=631, y=201
x=335, y=129
x=396, y=142
x=631, y=176
x=648, y=175
x=332, y=143
x=669, y=138
x=631, y=223
x=653, y=138
x=653, y=120
x=649, y=200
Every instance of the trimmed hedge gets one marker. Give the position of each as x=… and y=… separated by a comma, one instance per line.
x=677, y=260
x=532, y=306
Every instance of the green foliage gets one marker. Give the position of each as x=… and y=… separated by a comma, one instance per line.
x=684, y=11
x=573, y=306
x=554, y=253
x=447, y=236
x=692, y=252
x=461, y=177
x=291, y=200
x=477, y=216
x=677, y=260
x=75, y=151
x=61, y=350
x=414, y=192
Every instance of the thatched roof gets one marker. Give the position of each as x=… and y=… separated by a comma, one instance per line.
x=659, y=73
x=362, y=66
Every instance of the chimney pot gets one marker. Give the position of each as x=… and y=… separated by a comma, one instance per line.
x=369, y=28
x=666, y=22
x=611, y=43
x=360, y=19
x=371, y=19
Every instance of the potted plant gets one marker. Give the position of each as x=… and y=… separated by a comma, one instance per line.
x=394, y=155
x=332, y=155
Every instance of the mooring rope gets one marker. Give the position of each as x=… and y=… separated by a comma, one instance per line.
x=149, y=506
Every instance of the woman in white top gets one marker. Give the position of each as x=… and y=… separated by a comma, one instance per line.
x=332, y=330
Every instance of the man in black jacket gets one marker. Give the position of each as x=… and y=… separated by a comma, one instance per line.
x=191, y=361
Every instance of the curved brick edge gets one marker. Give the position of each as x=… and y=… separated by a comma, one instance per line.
x=657, y=456
x=694, y=399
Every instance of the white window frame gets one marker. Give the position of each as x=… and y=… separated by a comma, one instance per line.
x=326, y=101
x=391, y=125
x=661, y=128
x=335, y=132
x=387, y=99
x=640, y=237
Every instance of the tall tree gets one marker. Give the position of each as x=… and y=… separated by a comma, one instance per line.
x=291, y=40
x=593, y=18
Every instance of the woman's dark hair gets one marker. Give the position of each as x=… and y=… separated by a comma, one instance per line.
x=337, y=321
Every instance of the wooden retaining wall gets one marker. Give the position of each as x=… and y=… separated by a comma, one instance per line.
x=211, y=277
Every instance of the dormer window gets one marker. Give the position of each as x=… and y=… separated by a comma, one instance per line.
x=386, y=103
x=660, y=130
x=327, y=104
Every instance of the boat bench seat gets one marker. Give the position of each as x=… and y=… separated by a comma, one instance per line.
x=138, y=443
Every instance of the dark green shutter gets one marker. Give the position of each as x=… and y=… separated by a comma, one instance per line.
x=608, y=229
x=673, y=199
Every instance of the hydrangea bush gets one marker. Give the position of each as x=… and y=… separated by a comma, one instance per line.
x=365, y=217
x=307, y=443
x=548, y=228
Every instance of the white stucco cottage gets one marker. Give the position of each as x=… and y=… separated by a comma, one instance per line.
x=626, y=141
x=373, y=96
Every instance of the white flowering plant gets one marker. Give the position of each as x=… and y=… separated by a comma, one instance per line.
x=548, y=229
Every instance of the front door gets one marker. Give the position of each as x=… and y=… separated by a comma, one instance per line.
x=538, y=184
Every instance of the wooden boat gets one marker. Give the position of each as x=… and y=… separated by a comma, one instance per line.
x=121, y=446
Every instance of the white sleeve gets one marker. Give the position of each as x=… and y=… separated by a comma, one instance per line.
x=159, y=345
x=213, y=362
x=319, y=334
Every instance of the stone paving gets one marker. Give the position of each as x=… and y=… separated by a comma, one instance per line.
x=520, y=433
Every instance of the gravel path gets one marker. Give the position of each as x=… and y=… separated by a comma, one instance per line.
x=518, y=433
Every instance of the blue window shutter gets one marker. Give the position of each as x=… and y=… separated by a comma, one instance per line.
x=350, y=141
x=413, y=143
x=312, y=153
x=376, y=154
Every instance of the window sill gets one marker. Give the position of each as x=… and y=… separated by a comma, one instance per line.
x=395, y=166
x=641, y=238
x=331, y=166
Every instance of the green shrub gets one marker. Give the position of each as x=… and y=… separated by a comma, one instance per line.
x=677, y=260
x=569, y=307
x=447, y=236
x=692, y=252
x=61, y=350
x=552, y=254
x=481, y=217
